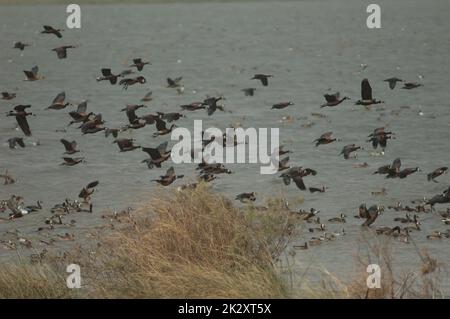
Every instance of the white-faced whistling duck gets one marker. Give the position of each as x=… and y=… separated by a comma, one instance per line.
x=211, y=103
x=334, y=99
x=325, y=138
x=297, y=174
x=130, y=111
x=379, y=137
x=80, y=115
x=246, y=197
x=411, y=85
x=139, y=64
x=16, y=141
x=170, y=117
x=436, y=173
x=61, y=52
x=69, y=161
x=58, y=102
x=32, y=75
x=317, y=190
x=87, y=191
x=161, y=128
x=19, y=45
x=108, y=76
x=131, y=81
x=148, y=97
x=174, y=83
x=249, y=91
x=340, y=219
x=193, y=106
x=371, y=214
x=71, y=147
x=393, y=82
x=50, y=30
x=264, y=78
x=21, y=117
x=157, y=155
x=366, y=95
x=349, y=149
x=126, y=144
x=169, y=178
x=282, y=105
x=8, y=96
x=93, y=126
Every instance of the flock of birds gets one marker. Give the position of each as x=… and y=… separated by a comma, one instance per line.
x=92, y=123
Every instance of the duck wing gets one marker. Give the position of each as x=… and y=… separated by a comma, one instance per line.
x=23, y=124
x=366, y=90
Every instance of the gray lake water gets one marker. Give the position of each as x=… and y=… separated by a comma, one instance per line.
x=309, y=47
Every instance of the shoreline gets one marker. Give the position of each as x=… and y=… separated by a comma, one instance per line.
x=197, y=243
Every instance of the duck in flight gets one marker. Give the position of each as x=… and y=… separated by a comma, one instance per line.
x=16, y=141
x=169, y=178
x=93, y=126
x=161, y=127
x=296, y=174
x=80, y=115
x=131, y=81
x=348, y=149
x=130, y=111
x=148, y=97
x=211, y=104
x=393, y=82
x=126, y=144
x=325, y=138
x=366, y=94
x=157, y=155
x=21, y=117
x=264, y=78
x=50, y=30
x=32, y=75
x=282, y=105
x=8, y=96
x=58, y=102
x=379, y=137
x=71, y=147
x=87, y=191
x=411, y=85
x=108, y=76
x=249, y=91
x=436, y=173
x=139, y=64
x=333, y=99
x=61, y=52
x=174, y=83
x=19, y=45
